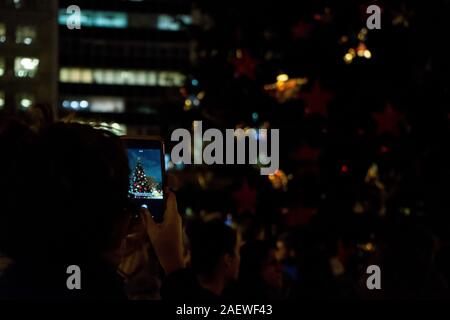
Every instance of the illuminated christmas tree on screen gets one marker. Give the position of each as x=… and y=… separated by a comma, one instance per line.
x=140, y=183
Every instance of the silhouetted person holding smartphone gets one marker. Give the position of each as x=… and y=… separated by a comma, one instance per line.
x=71, y=209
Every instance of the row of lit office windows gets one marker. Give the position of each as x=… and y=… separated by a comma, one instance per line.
x=27, y=67
x=24, y=34
x=121, y=20
x=122, y=77
x=95, y=104
x=90, y=104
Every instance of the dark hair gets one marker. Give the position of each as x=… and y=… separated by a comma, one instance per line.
x=251, y=227
x=209, y=241
x=253, y=256
x=82, y=181
x=18, y=178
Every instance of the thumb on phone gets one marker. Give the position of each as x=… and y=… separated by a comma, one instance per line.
x=147, y=218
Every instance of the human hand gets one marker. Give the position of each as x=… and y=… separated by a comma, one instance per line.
x=167, y=237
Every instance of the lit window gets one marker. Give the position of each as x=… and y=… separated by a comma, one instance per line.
x=26, y=67
x=172, y=23
x=127, y=77
x=25, y=35
x=186, y=19
x=118, y=129
x=109, y=19
x=25, y=101
x=108, y=77
x=75, y=75
x=2, y=33
x=86, y=76
x=17, y=3
x=2, y=100
x=107, y=104
x=2, y=66
x=98, y=76
x=74, y=104
x=151, y=78
x=64, y=75
x=140, y=78
x=166, y=22
x=95, y=104
x=179, y=79
x=84, y=104
x=170, y=79
x=163, y=79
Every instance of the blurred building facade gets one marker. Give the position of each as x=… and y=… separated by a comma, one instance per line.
x=28, y=54
x=126, y=63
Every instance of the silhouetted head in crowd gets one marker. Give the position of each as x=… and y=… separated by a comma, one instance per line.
x=78, y=182
x=252, y=229
x=18, y=183
x=408, y=262
x=260, y=268
x=285, y=247
x=215, y=257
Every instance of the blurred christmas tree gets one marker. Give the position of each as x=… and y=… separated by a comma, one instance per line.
x=140, y=182
x=343, y=96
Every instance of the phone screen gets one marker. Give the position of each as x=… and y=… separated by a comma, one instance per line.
x=146, y=186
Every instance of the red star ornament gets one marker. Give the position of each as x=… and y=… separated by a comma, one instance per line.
x=317, y=100
x=388, y=120
x=245, y=199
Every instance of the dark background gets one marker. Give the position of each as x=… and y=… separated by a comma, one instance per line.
x=390, y=112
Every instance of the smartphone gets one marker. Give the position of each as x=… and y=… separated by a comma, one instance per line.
x=147, y=174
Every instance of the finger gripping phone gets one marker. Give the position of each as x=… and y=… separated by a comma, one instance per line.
x=147, y=174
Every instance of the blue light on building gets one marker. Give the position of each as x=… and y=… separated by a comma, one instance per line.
x=99, y=19
x=170, y=23
x=121, y=20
